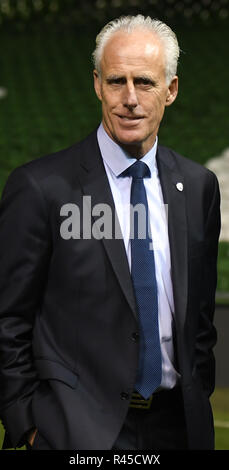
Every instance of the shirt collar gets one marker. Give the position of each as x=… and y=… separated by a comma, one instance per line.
x=117, y=159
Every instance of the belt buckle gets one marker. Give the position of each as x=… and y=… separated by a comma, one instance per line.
x=137, y=401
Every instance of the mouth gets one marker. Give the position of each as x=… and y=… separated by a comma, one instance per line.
x=130, y=119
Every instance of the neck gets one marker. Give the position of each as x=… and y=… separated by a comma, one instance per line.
x=135, y=149
x=138, y=150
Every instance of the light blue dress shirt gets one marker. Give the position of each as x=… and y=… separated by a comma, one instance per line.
x=116, y=160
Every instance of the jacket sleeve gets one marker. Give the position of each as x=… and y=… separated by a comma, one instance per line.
x=24, y=255
x=206, y=337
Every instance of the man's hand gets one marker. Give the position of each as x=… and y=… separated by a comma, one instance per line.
x=31, y=436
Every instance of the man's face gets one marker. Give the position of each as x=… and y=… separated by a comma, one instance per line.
x=133, y=90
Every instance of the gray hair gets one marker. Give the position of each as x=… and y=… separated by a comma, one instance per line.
x=128, y=24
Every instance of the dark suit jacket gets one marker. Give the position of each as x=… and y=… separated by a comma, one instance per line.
x=69, y=354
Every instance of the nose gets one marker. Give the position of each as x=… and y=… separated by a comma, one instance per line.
x=130, y=100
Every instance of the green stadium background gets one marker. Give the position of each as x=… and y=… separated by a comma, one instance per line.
x=47, y=102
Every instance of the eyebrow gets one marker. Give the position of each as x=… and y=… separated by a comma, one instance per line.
x=138, y=79
x=115, y=79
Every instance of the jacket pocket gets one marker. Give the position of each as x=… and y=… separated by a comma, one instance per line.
x=51, y=370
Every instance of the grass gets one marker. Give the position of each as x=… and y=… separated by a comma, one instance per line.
x=223, y=267
x=220, y=404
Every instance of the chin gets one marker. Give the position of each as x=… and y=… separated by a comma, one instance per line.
x=130, y=138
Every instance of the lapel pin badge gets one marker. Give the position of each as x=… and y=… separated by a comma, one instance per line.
x=180, y=186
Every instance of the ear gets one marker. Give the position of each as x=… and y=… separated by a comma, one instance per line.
x=97, y=84
x=172, y=91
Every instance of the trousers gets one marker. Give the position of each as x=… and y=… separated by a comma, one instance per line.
x=162, y=427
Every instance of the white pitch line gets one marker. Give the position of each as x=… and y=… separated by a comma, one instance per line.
x=222, y=424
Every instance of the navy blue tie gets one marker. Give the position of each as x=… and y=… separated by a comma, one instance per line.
x=145, y=284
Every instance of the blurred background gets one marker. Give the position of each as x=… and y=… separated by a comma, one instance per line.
x=47, y=102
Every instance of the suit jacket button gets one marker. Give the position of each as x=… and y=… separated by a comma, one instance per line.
x=125, y=396
x=135, y=337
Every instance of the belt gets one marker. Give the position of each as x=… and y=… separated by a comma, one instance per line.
x=137, y=401
x=162, y=396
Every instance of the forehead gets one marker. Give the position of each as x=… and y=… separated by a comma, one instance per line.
x=138, y=50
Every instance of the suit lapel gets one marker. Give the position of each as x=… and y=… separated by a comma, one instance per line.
x=177, y=228
x=94, y=182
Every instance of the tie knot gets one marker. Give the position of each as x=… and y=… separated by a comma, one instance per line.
x=137, y=170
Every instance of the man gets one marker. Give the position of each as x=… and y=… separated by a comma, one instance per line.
x=106, y=338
